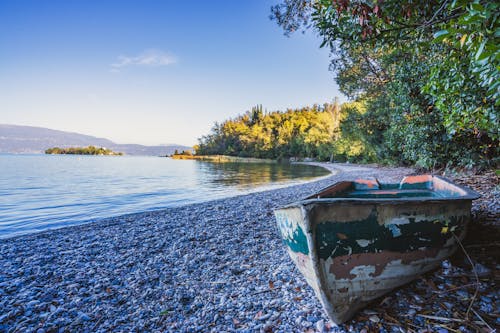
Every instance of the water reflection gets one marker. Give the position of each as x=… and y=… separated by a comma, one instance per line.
x=246, y=175
x=39, y=192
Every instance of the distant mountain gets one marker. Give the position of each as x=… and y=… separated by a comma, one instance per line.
x=28, y=139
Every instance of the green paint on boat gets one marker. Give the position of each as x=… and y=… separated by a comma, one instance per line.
x=416, y=193
x=292, y=234
x=336, y=239
x=416, y=186
x=298, y=243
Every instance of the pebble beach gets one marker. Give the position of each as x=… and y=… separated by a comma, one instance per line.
x=218, y=266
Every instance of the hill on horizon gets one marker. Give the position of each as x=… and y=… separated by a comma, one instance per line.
x=34, y=140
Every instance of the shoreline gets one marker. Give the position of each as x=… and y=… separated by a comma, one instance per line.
x=279, y=185
x=332, y=168
x=223, y=159
x=116, y=213
x=207, y=267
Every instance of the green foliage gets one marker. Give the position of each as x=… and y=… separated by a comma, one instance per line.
x=469, y=98
x=426, y=73
x=352, y=144
x=306, y=132
x=90, y=150
x=182, y=153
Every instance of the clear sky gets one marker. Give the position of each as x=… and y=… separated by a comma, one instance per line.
x=151, y=71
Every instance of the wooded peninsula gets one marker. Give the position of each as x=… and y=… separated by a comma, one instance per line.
x=90, y=150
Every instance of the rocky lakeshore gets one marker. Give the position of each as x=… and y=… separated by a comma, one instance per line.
x=218, y=266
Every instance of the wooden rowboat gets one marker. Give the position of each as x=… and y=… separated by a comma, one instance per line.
x=357, y=240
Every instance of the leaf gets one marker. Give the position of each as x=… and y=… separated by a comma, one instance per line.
x=440, y=35
x=480, y=50
x=477, y=7
x=483, y=60
x=258, y=315
x=462, y=40
x=468, y=19
x=164, y=312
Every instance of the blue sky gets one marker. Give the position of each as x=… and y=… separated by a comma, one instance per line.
x=151, y=72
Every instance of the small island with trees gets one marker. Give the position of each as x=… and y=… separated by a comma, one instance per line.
x=90, y=150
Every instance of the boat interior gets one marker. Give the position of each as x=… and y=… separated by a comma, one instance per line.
x=422, y=186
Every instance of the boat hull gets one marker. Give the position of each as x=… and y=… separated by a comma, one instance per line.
x=354, y=251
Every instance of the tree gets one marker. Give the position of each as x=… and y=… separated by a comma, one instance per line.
x=305, y=132
x=427, y=73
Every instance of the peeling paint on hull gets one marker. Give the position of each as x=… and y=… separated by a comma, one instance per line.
x=356, y=241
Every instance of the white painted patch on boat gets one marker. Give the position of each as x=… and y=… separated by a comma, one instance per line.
x=334, y=250
x=399, y=220
x=364, y=242
x=396, y=232
x=363, y=272
x=288, y=225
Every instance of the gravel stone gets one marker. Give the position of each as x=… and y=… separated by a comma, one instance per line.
x=218, y=266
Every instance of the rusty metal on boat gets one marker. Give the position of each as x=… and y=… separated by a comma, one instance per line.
x=357, y=240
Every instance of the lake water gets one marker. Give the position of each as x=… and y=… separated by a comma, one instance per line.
x=39, y=192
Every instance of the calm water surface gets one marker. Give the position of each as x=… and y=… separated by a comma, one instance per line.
x=39, y=192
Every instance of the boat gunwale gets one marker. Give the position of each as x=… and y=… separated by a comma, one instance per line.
x=469, y=195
